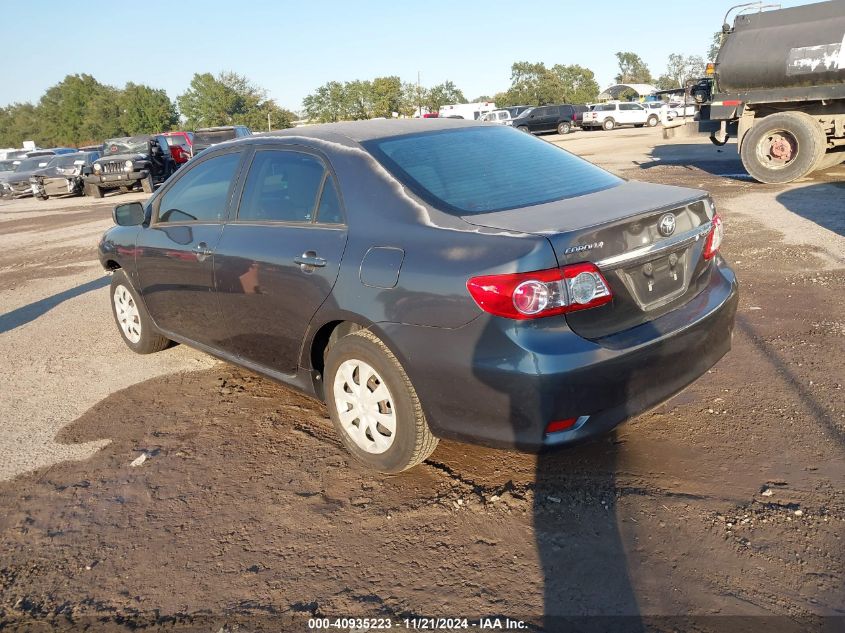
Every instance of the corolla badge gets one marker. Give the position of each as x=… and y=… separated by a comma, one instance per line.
x=580, y=248
x=666, y=224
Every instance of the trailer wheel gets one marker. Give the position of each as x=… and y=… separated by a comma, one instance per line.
x=783, y=147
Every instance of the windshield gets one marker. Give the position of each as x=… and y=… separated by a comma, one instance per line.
x=126, y=145
x=69, y=160
x=210, y=137
x=31, y=164
x=479, y=170
x=176, y=141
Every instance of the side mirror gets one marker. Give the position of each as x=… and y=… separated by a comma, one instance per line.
x=129, y=214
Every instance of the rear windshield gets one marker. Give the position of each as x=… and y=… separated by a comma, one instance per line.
x=213, y=136
x=483, y=169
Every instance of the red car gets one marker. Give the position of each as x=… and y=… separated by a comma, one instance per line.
x=180, y=145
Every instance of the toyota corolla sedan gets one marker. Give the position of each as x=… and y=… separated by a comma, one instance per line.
x=429, y=279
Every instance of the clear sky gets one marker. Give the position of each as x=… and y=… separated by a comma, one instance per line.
x=291, y=48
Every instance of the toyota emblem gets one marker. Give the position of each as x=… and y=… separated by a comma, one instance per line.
x=666, y=225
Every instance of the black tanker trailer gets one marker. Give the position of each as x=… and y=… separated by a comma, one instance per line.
x=778, y=87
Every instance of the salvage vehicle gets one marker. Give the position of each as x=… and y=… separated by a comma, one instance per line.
x=613, y=114
x=778, y=87
x=427, y=279
x=63, y=176
x=208, y=136
x=16, y=184
x=129, y=161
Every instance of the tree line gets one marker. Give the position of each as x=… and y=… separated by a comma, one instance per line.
x=80, y=110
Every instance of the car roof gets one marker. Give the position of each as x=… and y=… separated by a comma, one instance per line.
x=362, y=131
x=218, y=128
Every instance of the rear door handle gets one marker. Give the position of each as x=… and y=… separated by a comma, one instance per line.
x=309, y=261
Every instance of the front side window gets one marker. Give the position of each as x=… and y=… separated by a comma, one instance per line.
x=202, y=194
x=282, y=186
x=468, y=171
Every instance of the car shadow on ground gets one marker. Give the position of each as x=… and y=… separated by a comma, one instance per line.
x=582, y=555
x=819, y=203
x=32, y=311
x=718, y=161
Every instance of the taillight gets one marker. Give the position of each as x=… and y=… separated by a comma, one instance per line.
x=541, y=293
x=714, y=238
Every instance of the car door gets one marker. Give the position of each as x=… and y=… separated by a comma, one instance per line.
x=279, y=258
x=176, y=252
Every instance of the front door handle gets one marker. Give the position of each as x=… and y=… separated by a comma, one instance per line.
x=202, y=251
x=309, y=260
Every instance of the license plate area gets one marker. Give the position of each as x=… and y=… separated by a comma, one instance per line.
x=660, y=280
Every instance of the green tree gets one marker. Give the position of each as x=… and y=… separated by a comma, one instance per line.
x=386, y=96
x=679, y=69
x=715, y=45
x=575, y=84
x=64, y=109
x=632, y=69
x=327, y=104
x=442, y=94
x=145, y=110
x=20, y=122
x=228, y=99
x=534, y=84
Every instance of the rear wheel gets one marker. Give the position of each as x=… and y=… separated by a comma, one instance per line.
x=783, y=147
x=653, y=120
x=522, y=128
x=374, y=406
x=147, y=184
x=608, y=124
x=564, y=127
x=133, y=320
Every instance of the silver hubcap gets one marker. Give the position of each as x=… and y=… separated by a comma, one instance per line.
x=127, y=314
x=364, y=406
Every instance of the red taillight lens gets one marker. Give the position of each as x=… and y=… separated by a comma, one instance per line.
x=560, y=425
x=714, y=238
x=541, y=293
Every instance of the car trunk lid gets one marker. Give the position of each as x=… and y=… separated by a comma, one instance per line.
x=649, y=271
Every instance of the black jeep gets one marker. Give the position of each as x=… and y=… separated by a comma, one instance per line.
x=130, y=161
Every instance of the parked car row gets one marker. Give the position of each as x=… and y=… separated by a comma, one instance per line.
x=125, y=163
x=564, y=118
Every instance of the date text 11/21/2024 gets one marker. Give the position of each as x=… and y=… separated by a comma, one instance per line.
x=416, y=624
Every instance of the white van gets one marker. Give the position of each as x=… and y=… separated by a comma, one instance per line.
x=469, y=111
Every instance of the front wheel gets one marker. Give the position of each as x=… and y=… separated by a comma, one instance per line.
x=133, y=320
x=564, y=127
x=373, y=405
x=608, y=124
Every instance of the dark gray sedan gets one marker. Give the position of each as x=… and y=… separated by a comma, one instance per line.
x=429, y=279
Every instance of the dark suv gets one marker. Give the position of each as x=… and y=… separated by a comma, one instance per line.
x=129, y=161
x=550, y=118
x=208, y=136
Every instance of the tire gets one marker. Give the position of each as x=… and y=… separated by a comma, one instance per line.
x=95, y=191
x=608, y=124
x=652, y=121
x=564, y=127
x=783, y=147
x=523, y=128
x=831, y=159
x=639, y=124
x=147, y=184
x=132, y=319
x=376, y=446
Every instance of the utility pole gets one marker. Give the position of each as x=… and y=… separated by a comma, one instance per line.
x=419, y=96
x=269, y=129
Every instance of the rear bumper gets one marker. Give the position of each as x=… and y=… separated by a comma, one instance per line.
x=499, y=383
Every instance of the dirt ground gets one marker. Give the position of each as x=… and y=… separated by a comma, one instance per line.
x=723, y=509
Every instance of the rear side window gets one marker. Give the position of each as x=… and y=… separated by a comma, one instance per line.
x=202, y=194
x=282, y=186
x=329, y=210
x=478, y=170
